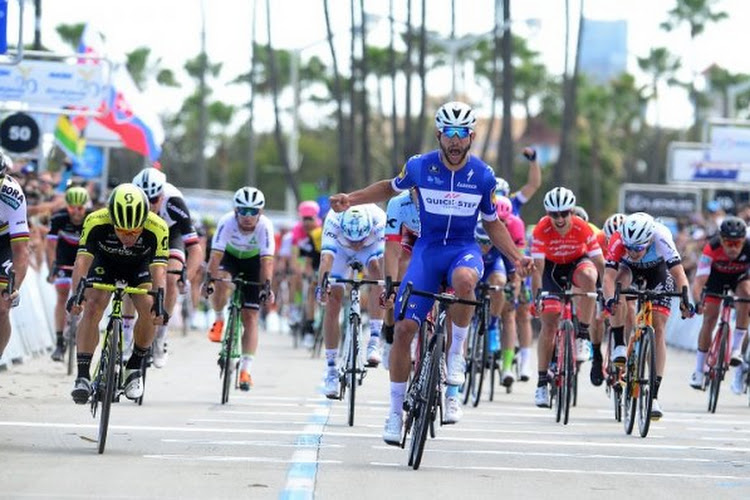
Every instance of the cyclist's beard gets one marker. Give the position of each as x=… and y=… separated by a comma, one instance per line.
x=454, y=155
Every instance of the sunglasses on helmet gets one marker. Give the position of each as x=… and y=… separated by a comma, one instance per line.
x=247, y=211
x=460, y=132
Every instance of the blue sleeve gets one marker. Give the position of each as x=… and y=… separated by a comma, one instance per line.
x=487, y=205
x=408, y=176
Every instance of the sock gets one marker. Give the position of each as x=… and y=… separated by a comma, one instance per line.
x=494, y=321
x=459, y=335
x=543, y=379
x=739, y=336
x=525, y=353
x=161, y=331
x=331, y=355
x=597, y=351
x=219, y=315
x=246, y=362
x=508, y=355
x=700, y=360
x=84, y=364
x=128, y=322
x=583, y=331
x=60, y=340
x=309, y=326
x=451, y=391
x=618, y=334
x=398, y=390
x=388, y=333
x=375, y=326
x=136, y=359
x=656, y=386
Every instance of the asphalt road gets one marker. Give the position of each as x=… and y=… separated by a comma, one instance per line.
x=284, y=440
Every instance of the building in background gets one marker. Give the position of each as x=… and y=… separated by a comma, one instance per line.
x=604, y=49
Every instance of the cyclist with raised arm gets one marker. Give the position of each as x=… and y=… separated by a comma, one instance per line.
x=243, y=244
x=14, y=244
x=124, y=241
x=565, y=250
x=62, y=245
x=724, y=263
x=168, y=203
x=453, y=189
x=643, y=250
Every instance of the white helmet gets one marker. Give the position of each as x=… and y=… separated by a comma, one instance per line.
x=637, y=229
x=455, y=114
x=6, y=163
x=249, y=197
x=559, y=199
x=502, y=188
x=612, y=224
x=151, y=181
x=356, y=224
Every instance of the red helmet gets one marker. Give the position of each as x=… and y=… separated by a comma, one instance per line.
x=504, y=207
x=308, y=208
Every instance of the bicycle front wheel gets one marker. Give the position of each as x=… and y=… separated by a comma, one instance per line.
x=352, y=370
x=70, y=338
x=225, y=359
x=480, y=363
x=428, y=397
x=568, y=368
x=716, y=372
x=646, y=379
x=107, y=379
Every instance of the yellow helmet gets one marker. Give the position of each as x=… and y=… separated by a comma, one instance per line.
x=76, y=196
x=128, y=207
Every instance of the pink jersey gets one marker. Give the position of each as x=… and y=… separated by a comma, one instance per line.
x=299, y=234
x=517, y=230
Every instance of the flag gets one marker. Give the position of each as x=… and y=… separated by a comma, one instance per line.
x=124, y=111
x=69, y=137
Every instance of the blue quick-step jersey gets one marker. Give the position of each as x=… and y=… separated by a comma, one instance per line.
x=449, y=201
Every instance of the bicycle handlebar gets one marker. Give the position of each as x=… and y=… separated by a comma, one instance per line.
x=650, y=295
x=446, y=298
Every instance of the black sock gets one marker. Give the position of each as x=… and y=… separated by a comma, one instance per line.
x=618, y=334
x=309, y=326
x=583, y=331
x=60, y=339
x=84, y=365
x=387, y=333
x=656, y=386
x=136, y=359
x=543, y=379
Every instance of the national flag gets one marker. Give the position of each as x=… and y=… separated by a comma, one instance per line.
x=69, y=137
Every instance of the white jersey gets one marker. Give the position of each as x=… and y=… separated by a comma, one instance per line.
x=285, y=248
x=333, y=236
x=230, y=239
x=13, y=219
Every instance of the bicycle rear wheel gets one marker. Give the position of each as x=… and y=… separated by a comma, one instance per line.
x=352, y=370
x=427, y=406
x=225, y=358
x=471, y=358
x=480, y=363
x=716, y=372
x=107, y=379
x=569, y=369
x=558, y=377
x=630, y=391
x=646, y=380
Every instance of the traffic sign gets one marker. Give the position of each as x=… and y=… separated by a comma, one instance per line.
x=19, y=133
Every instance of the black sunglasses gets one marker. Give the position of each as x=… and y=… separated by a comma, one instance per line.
x=559, y=215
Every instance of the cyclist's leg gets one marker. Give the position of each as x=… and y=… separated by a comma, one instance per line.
x=656, y=279
x=584, y=278
x=176, y=263
x=742, y=290
x=62, y=290
x=228, y=267
x=87, y=338
x=523, y=323
x=374, y=311
x=711, y=307
x=620, y=320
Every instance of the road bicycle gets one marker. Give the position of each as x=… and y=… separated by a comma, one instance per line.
x=352, y=369
x=613, y=374
x=480, y=359
x=231, y=342
x=108, y=380
x=720, y=352
x=424, y=397
x=640, y=367
x=563, y=367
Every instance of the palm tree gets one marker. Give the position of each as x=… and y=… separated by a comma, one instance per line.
x=505, y=148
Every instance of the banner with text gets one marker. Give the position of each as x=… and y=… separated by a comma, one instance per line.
x=659, y=200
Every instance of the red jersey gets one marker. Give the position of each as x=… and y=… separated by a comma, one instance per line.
x=564, y=248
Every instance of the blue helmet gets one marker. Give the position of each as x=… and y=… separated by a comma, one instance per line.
x=356, y=224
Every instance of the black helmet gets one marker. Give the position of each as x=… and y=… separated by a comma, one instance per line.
x=733, y=228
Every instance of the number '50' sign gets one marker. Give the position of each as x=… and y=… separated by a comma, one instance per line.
x=19, y=133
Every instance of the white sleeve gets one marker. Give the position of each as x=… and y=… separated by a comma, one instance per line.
x=266, y=241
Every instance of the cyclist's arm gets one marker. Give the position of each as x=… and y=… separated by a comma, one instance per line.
x=533, y=182
x=266, y=269
x=680, y=278
x=214, y=260
x=81, y=267
x=391, y=259
x=195, y=255
x=608, y=282
x=536, y=276
x=326, y=263
x=158, y=275
x=51, y=252
x=20, y=250
x=698, y=283
x=599, y=263
x=374, y=193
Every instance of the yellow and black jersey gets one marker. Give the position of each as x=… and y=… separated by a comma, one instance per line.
x=98, y=238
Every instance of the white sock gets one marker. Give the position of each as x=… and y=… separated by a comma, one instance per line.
x=331, y=355
x=459, y=335
x=525, y=353
x=739, y=336
x=219, y=315
x=246, y=362
x=398, y=390
x=375, y=326
x=700, y=361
